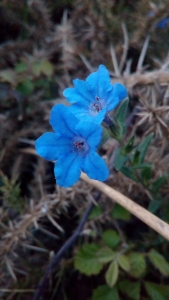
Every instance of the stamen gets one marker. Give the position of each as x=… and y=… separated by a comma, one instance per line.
x=97, y=98
x=79, y=145
x=97, y=107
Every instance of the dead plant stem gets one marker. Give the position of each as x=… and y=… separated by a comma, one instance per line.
x=144, y=215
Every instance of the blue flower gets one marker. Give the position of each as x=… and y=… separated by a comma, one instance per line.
x=94, y=97
x=163, y=23
x=73, y=146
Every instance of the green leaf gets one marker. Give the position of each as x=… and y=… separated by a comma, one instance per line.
x=105, y=255
x=159, y=262
x=146, y=174
x=157, y=291
x=124, y=262
x=120, y=213
x=46, y=68
x=86, y=261
x=21, y=67
x=112, y=273
x=104, y=292
x=96, y=212
x=120, y=115
x=131, y=289
x=142, y=166
x=143, y=147
x=137, y=264
x=158, y=183
x=135, y=158
x=117, y=130
x=128, y=173
x=119, y=159
x=25, y=87
x=111, y=238
x=154, y=206
x=129, y=147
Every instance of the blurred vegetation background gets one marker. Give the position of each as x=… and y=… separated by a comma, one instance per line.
x=44, y=45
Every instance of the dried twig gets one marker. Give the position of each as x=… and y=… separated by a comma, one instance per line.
x=144, y=215
x=125, y=47
x=69, y=243
x=143, y=54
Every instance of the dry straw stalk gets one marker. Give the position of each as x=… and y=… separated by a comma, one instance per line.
x=148, y=218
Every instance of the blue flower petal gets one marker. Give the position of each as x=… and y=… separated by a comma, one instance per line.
x=72, y=95
x=67, y=170
x=95, y=167
x=91, y=132
x=99, y=82
x=64, y=146
x=62, y=120
x=83, y=90
x=83, y=112
x=46, y=146
x=117, y=94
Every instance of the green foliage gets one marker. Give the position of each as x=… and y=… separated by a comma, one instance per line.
x=96, y=212
x=146, y=174
x=120, y=213
x=111, y=238
x=143, y=147
x=106, y=293
x=10, y=190
x=128, y=172
x=25, y=87
x=131, y=289
x=112, y=273
x=154, y=206
x=158, y=183
x=129, y=146
x=157, y=291
x=117, y=130
x=137, y=264
x=86, y=261
x=120, y=159
x=159, y=262
x=105, y=255
x=124, y=262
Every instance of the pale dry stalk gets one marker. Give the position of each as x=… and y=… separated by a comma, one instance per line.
x=144, y=215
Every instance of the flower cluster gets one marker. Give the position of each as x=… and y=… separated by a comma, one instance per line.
x=77, y=130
